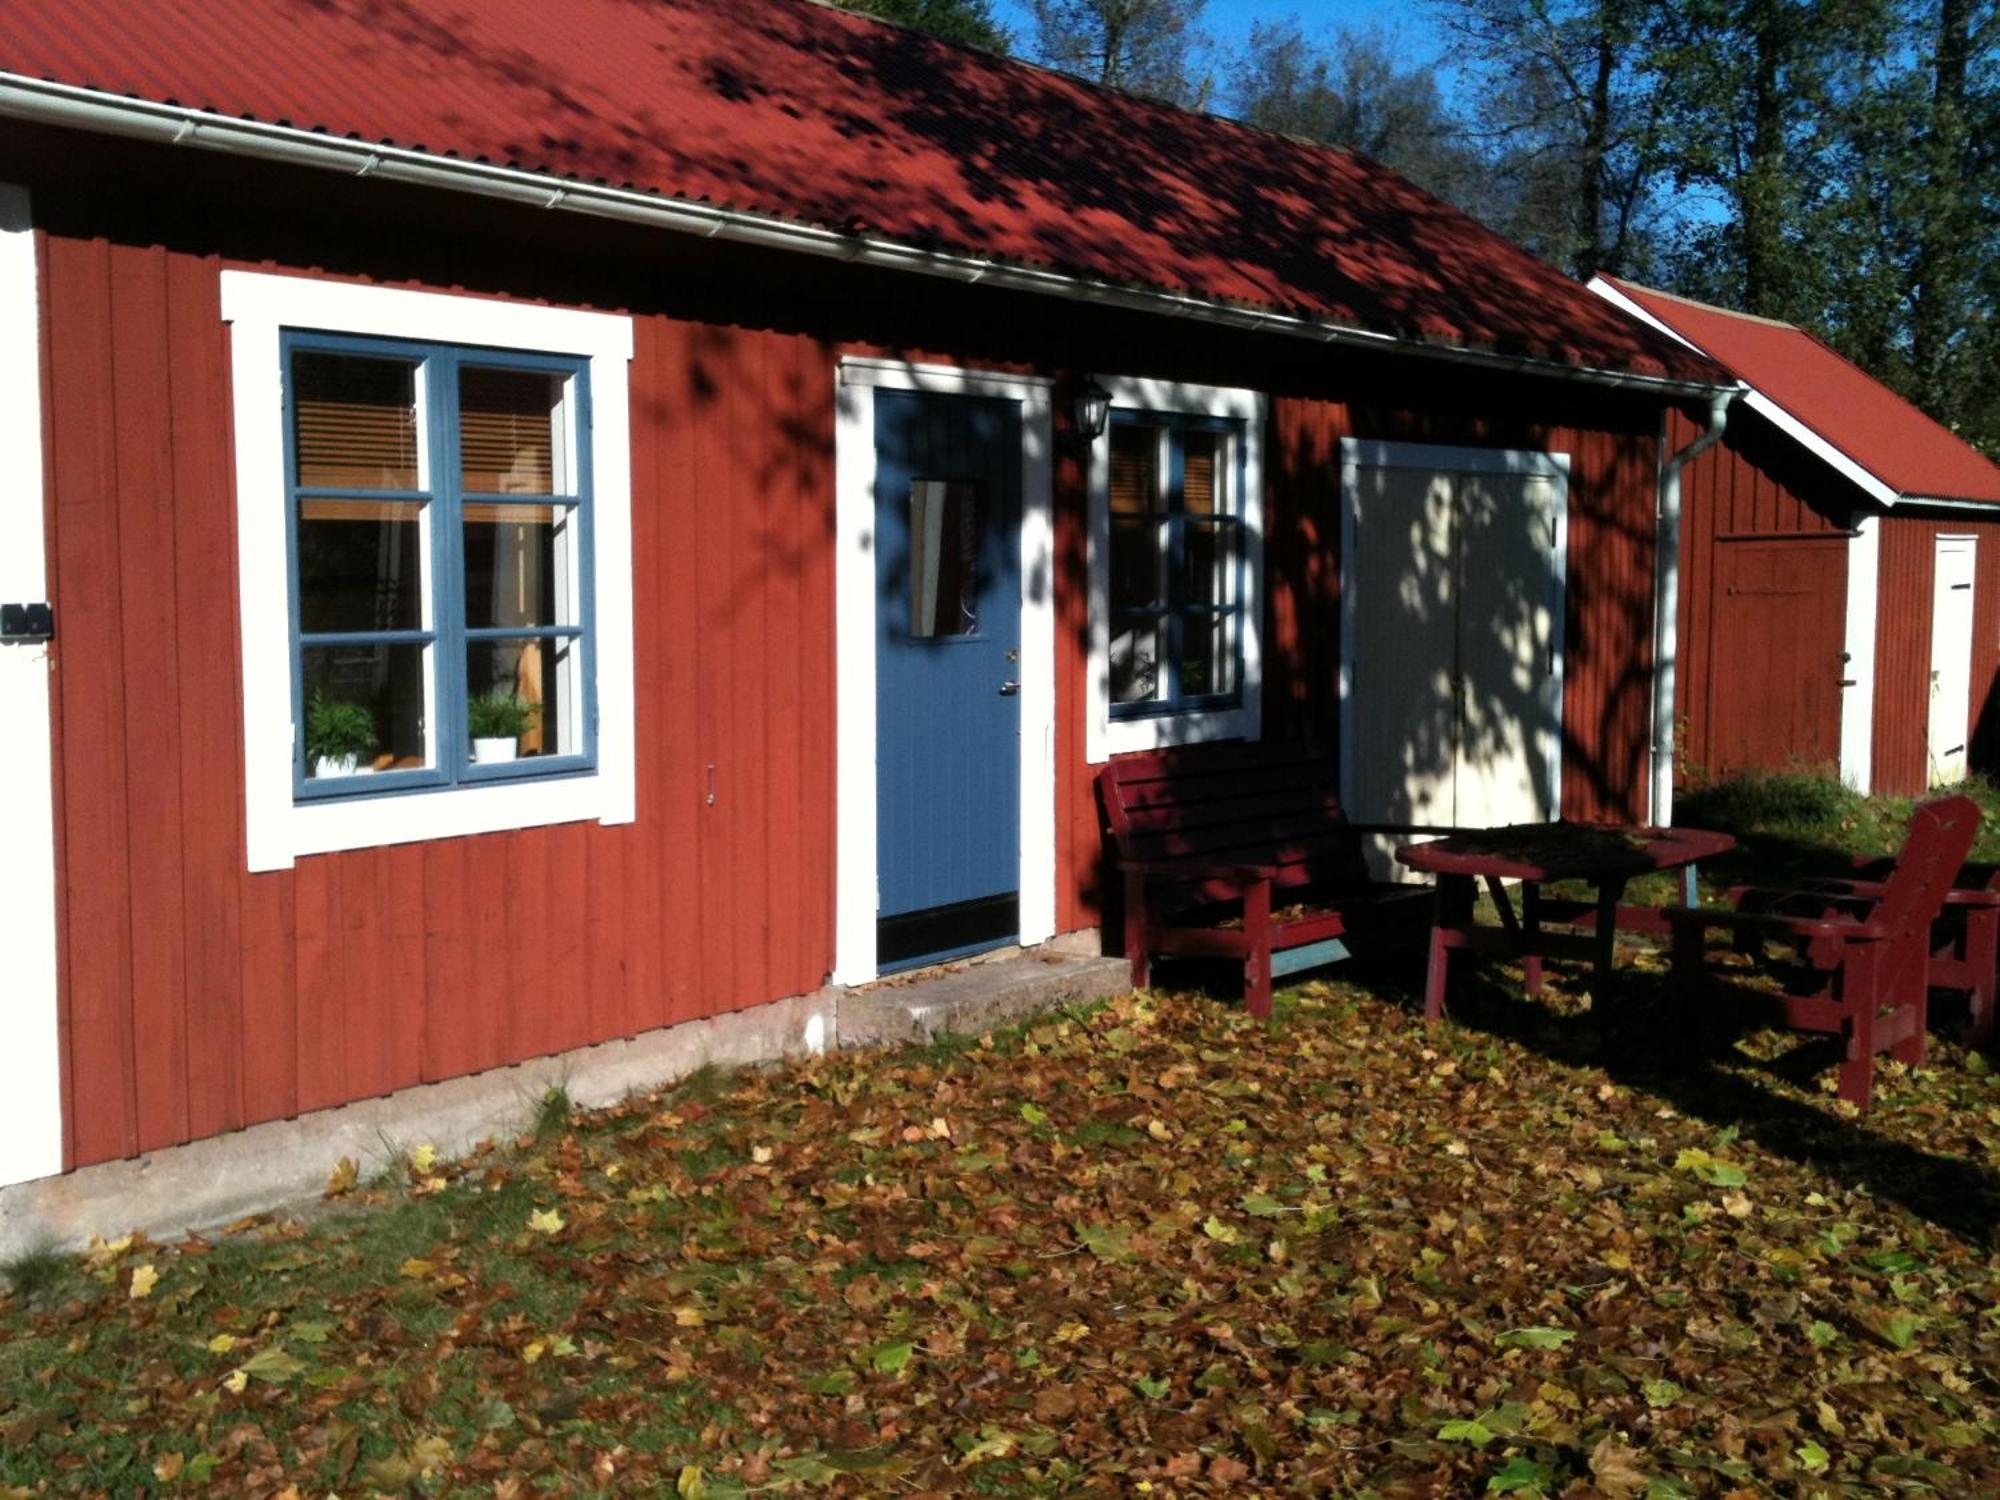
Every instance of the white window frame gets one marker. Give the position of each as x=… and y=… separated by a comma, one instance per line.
x=1105, y=736
x=278, y=829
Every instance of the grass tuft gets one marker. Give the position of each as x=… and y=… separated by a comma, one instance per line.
x=704, y=1085
x=554, y=1110
x=33, y=1272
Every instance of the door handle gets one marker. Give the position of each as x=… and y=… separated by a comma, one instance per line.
x=1009, y=688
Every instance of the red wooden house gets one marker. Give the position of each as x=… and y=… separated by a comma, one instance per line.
x=595, y=516
x=1839, y=568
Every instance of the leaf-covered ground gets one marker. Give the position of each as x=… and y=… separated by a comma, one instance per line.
x=1156, y=1248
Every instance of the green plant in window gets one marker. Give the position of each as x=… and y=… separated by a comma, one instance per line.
x=338, y=731
x=500, y=715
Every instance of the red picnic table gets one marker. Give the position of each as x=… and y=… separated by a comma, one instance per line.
x=1535, y=854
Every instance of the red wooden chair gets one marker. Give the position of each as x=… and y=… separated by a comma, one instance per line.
x=1863, y=970
x=1965, y=941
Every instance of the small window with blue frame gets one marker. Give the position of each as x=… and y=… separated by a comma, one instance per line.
x=1176, y=563
x=440, y=541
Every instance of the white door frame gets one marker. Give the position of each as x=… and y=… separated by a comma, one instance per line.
x=1857, y=700
x=856, y=898
x=31, y=1145
x=1357, y=454
x=1960, y=648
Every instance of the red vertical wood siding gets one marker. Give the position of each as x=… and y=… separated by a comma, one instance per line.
x=1753, y=486
x=1903, y=649
x=199, y=997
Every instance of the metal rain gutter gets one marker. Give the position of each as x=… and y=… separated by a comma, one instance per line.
x=1666, y=601
x=69, y=106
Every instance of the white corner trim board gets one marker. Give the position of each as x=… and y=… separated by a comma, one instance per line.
x=1857, y=700
x=855, y=888
x=258, y=306
x=1105, y=736
x=30, y=1056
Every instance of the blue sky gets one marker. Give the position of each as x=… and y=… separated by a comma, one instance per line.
x=1410, y=21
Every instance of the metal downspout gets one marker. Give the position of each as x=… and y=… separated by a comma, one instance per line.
x=1666, y=602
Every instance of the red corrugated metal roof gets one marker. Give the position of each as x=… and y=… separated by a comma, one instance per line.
x=1842, y=404
x=810, y=114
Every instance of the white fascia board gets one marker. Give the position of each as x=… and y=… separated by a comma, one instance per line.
x=1871, y=486
x=30, y=1046
x=73, y=107
x=1882, y=494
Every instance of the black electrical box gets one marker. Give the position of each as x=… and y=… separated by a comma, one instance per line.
x=26, y=624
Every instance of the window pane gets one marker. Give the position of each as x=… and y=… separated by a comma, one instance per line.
x=1209, y=553
x=944, y=546
x=1135, y=661
x=510, y=432
x=1203, y=455
x=1135, y=468
x=1208, y=657
x=364, y=709
x=520, y=565
x=525, y=698
x=360, y=565
x=355, y=419
x=1135, y=563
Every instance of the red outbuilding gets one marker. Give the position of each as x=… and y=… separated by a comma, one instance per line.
x=587, y=517
x=1839, y=568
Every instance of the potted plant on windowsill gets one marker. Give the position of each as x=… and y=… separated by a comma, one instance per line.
x=339, y=736
x=498, y=720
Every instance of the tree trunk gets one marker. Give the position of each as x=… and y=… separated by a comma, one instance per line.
x=1944, y=233
x=1590, y=256
x=1760, y=195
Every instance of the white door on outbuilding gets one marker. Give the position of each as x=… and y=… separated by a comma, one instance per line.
x=1452, y=612
x=1951, y=657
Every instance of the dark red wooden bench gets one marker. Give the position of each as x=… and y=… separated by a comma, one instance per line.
x=1243, y=852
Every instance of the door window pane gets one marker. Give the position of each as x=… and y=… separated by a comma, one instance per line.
x=1135, y=468
x=1202, y=469
x=1136, y=581
x=511, y=432
x=520, y=565
x=1135, y=661
x=360, y=565
x=944, y=554
x=1208, y=658
x=524, y=690
x=355, y=418
x=365, y=709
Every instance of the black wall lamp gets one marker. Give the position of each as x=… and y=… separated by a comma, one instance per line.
x=1093, y=410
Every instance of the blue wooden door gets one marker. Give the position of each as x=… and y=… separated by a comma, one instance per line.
x=948, y=646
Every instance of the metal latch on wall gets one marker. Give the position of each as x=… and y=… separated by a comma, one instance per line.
x=27, y=624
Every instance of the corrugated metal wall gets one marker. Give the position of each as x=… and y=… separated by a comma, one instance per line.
x=1753, y=488
x=1903, y=649
x=200, y=997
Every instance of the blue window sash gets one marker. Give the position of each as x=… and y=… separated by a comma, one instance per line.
x=445, y=501
x=1174, y=608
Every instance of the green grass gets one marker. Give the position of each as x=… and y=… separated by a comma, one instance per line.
x=34, y=1273
x=554, y=1110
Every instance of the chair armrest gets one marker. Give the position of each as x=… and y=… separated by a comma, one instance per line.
x=1423, y=828
x=1195, y=867
x=1865, y=890
x=1773, y=924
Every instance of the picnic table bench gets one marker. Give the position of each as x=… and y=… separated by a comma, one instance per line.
x=1242, y=851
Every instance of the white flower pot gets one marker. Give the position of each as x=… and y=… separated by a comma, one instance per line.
x=494, y=751
x=327, y=765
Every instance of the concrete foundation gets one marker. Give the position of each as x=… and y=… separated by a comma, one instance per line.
x=286, y=1162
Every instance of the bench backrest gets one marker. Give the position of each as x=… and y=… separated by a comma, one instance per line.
x=1276, y=805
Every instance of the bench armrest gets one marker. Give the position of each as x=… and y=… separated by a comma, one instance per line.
x=1423, y=828
x=1770, y=924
